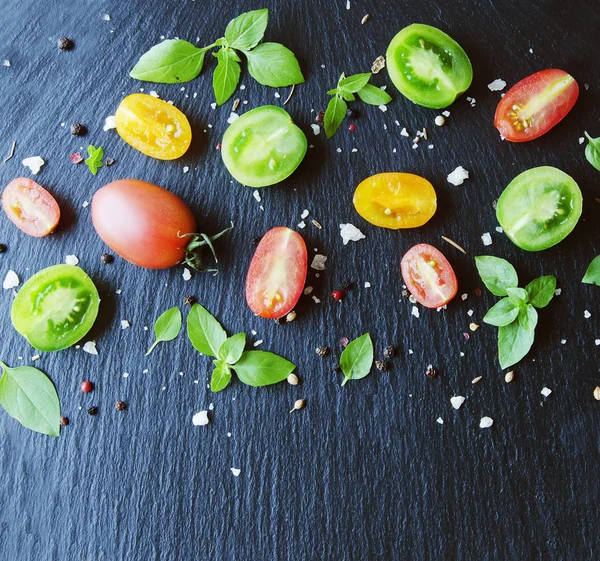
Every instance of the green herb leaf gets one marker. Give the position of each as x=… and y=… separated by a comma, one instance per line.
x=514, y=343
x=592, y=274
x=354, y=83
x=528, y=318
x=94, y=162
x=357, y=358
x=497, y=274
x=232, y=348
x=204, y=331
x=347, y=96
x=334, y=115
x=170, y=62
x=274, y=65
x=246, y=31
x=333, y=91
x=166, y=327
x=592, y=151
x=373, y=95
x=518, y=296
x=503, y=313
x=260, y=368
x=221, y=376
x=29, y=396
x=226, y=75
x=541, y=290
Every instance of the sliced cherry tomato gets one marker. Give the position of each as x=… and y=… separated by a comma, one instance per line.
x=153, y=126
x=535, y=104
x=428, y=66
x=539, y=208
x=56, y=307
x=428, y=276
x=263, y=147
x=277, y=273
x=30, y=207
x=395, y=200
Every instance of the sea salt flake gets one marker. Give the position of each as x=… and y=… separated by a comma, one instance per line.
x=499, y=229
x=383, y=108
x=486, y=239
x=497, y=85
x=581, y=140
x=187, y=275
x=153, y=93
x=233, y=117
x=256, y=195
x=90, y=347
x=415, y=311
x=486, y=422
x=597, y=341
x=446, y=113
x=125, y=324
x=458, y=176
x=6, y=62
x=304, y=214
x=367, y=284
x=200, y=419
x=34, y=163
x=259, y=342
x=404, y=132
x=11, y=280
x=457, y=401
x=318, y=262
x=317, y=300
x=302, y=224
x=349, y=232
x=236, y=471
x=546, y=391
x=464, y=296
x=587, y=314
x=109, y=123
x=186, y=169
x=106, y=17
x=85, y=204
x=316, y=129
x=71, y=260
x=439, y=420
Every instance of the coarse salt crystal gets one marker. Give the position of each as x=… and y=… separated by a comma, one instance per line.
x=597, y=341
x=302, y=224
x=499, y=229
x=233, y=117
x=316, y=129
x=318, y=262
x=6, y=62
x=581, y=140
x=85, y=204
x=256, y=195
x=546, y=391
x=404, y=132
x=153, y=93
x=259, y=342
x=457, y=401
x=236, y=471
x=304, y=214
x=458, y=176
x=106, y=17
x=125, y=324
x=439, y=420
x=187, y=275
x=486, y=422
x=383, y=108
x=34, y=163
x=200, y=419
x=486, y=239
x=109, y=123
x=497, y=85
x=338, y=150
x=367, y=284
x=415, y=311
x=11, y=280
x=71, y=260
x=587, y=315
x=464, y=296
x=349, y=232
x=90, y=347
x=186, y=169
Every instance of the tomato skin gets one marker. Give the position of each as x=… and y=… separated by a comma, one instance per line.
x=428, y=276
x=535, y=104
x=142, y=222
x=277, y=273
x=153, y=126
x=30, y=207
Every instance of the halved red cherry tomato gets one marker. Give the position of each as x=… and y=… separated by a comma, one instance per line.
x=428, y=276
x=277, y=273
x=536, y=104
x=30, y=207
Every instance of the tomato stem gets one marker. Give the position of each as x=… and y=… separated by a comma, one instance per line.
x=194, y=248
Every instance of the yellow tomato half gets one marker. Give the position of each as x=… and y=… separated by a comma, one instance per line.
x=395, y=200
x=153, y=126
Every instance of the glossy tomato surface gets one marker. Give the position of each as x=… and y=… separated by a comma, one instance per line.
x=142, y=222
x=536, y=104
x=153, y=126
x=56, y=307
x=395, y=200
x=30, y=207
x=428, y=276
x=277, y=273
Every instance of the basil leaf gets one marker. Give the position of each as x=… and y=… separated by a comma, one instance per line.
x=516, y=295
x=528, y=318
x=346, y=95
x=503, y=313
x=166, y=327
x=29, y=396
x=226, y=75
x=170, y=62
x=232, y=348
x=357, y=358
x=592, y=151
x=274, y=65
x=497, y=274
x=592, y=274
x=204, y=331
x=260, y=368
x=334, y=115
x=221, y=376
x=373, y=95
x=514, y=343
x=94, y=162
x=354, y=83
x=541, y=290
x=333, y=91
x=246, y=31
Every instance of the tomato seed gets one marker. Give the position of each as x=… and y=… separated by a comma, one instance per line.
x=86, y=386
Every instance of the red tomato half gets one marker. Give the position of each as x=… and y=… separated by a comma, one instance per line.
x=428, y=276
x=142, y=222
x=277, y=273
x=535, y=104
x=30, y=207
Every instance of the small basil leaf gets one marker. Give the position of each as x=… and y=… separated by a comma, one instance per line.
x=514, y=343
x=232, y=348
x=528, y=318
x=592, y=274
x=541, y=290
x=517, y=296
x=354, y=83
x=226, y=75
x=357, y=358
x=497, y=274
x=94, y=162
x=334, y=115
x=503, y=313
x=204, y=331
x=246, y=31
x=346, y=95
x=261, y=368
x=166, y=327
x=274, y=65
x=221, y=376
x=333, y=91
x=373, y=95
x=592, y=151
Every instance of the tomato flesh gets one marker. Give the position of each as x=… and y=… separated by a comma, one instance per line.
x=539, y=208
x=536, y=104
x=56, y=307
x=428, y=276
x=153, y=126
x=30, y=207
x=395, y=200
x=263, y=147
x=277, y=273
x=142, y=223
x=428, y=66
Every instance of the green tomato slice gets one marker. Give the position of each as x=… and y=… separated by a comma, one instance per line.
x=56, y=307
x=539, y=208
x=263, y=147
x=428, y=66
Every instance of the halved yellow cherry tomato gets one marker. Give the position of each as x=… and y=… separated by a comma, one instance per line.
x=395, y=200
x=153, y=126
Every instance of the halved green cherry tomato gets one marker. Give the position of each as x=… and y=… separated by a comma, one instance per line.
x=153, y=126
x=395, y=200
x=277, y=273
x=428, y=66
x=536, y=104
x=428, y=276
x=263, y=147
x=56, y=307
x=539, y=208
x=30, y=207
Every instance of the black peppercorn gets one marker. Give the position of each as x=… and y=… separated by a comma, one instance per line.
x=65, y=44
x=190, y=300
x=320, y=117
x=107, y=258
x=389, y=352
x=3, y=248
x=381, y=365
x=77, y=129
x=352, y=114
x=336, y=367
x=109, y=162
x=346, y=285
x=120, y=406
x=64, y=421
x=93, y=411
x=322, y=351
x=431, y=371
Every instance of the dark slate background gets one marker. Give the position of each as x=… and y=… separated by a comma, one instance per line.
x=364, y=472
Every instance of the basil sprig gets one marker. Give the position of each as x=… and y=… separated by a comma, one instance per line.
x=357, y=358
x=592, y=151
